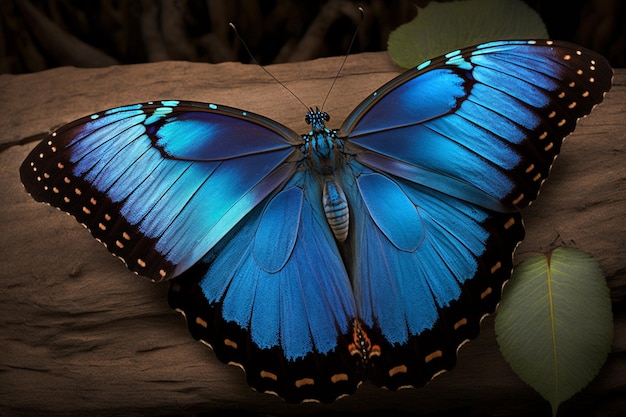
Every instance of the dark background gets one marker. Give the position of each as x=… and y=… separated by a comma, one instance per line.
x=41, y=34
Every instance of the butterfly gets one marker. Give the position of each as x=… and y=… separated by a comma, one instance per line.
x=317, y=261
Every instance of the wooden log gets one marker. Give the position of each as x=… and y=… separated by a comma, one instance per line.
x=80, y=335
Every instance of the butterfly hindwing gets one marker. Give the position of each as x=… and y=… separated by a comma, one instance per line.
x=161, y=183
x=274, y=298
x=441, y=260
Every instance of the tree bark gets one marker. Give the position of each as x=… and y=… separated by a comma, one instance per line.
x=80, y=335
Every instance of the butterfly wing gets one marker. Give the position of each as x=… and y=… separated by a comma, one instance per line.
x=430, y=267
x=159, y=184
x=484, y=123
x=443, y=157
x=274, y=298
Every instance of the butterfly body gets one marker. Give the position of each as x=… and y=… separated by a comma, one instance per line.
x=318, y=261
x=324, y=155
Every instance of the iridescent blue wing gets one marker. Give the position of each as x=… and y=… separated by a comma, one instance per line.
x=427, y=268
x=273, y=297
x=484, y=123
x=443, y=156
x=159, y=184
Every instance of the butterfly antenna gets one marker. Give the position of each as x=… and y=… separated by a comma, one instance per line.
x=345, y=58
x=263, y=68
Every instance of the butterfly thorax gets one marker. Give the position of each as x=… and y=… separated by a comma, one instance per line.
x=323, y=152
x=321, y=148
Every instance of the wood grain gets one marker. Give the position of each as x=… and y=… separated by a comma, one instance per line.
x=80, y=335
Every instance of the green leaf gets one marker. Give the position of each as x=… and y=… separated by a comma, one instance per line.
x=554, y=324
x=444, y=27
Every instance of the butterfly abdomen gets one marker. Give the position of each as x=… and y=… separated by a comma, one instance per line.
x=336, y=209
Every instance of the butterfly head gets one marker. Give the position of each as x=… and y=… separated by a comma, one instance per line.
x=317, y=119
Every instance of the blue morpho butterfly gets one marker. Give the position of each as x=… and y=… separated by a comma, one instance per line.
x=316, y=261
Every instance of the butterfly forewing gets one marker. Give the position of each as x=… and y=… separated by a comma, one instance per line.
x=161, y=183
x=491, y=139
